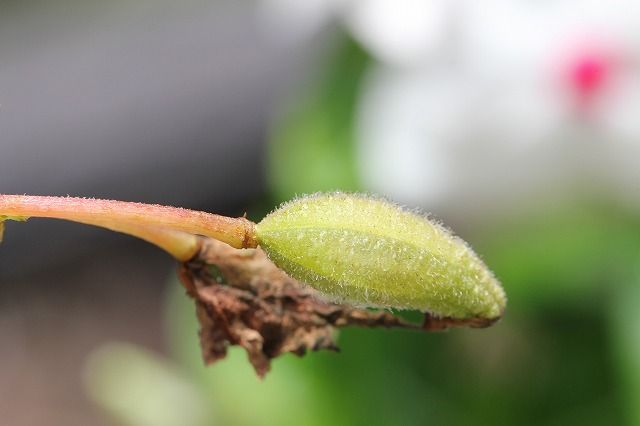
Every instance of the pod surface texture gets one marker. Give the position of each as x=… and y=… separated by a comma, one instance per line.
x=370, y=252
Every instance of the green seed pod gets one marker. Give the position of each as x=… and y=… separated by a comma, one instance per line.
x=369, y=252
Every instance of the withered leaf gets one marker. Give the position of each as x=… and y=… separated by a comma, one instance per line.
x=243, y=299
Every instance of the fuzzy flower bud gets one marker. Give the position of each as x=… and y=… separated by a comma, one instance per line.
x=369, y=252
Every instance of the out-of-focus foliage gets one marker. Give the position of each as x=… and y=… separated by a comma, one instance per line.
x=139, y=388
x=625, y=332
x=312, y=143
x=570, y=255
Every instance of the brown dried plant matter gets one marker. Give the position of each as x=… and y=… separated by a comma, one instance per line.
x=244, y=299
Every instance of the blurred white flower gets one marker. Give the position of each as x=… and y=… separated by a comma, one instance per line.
x=524, y=100
x=401, y=32
x=484, y=104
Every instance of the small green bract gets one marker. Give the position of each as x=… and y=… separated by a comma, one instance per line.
x=3, y=218
x=370, y=252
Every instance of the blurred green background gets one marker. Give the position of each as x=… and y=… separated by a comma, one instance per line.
x=539, y=174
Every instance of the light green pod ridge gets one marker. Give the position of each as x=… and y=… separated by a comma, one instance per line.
x=370, y=252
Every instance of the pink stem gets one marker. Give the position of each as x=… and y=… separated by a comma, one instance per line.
x=171, y=228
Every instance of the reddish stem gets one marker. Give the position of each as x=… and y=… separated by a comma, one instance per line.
x=171, y=228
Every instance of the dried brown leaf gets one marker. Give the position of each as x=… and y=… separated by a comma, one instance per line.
x=243, y=299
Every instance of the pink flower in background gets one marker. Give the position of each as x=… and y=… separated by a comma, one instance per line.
x=521, y=100
x=589, y=73
x=480, y=105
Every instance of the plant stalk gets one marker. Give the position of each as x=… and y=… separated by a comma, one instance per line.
x=171, y=228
